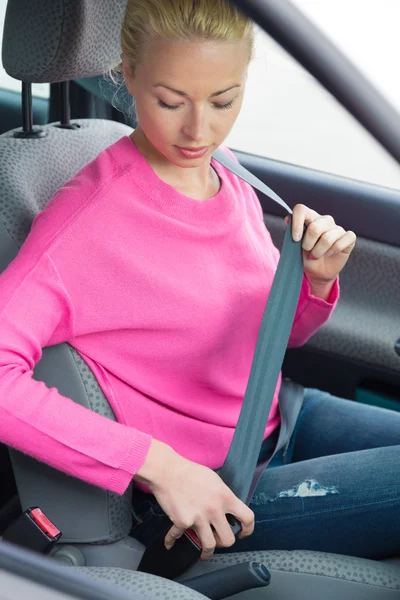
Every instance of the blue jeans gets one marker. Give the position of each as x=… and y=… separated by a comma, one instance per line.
x=335, y=488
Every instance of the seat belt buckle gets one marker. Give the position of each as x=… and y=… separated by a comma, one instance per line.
x=236, y=525
x=33, y=530
x=183, y=555
x=170, y=564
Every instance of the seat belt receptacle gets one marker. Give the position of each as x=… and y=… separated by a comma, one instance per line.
x=33, y=530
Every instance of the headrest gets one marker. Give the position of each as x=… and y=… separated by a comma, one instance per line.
x=47, y=41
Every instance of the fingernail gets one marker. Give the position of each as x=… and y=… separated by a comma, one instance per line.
x=168, y=545
x=330, y=253
x=296, y=236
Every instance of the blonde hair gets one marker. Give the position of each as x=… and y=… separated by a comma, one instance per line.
x=181, y=20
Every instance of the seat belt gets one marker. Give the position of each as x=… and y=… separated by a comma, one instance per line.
x=239, y=471
x=240, y=464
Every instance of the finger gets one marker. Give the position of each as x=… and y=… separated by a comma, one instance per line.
x=327, y=241
x=223, y=533
x=302, y=215
x=345, y=244
x=172, y=536
x=246, y=517
x=207, y=539
x=316, y=229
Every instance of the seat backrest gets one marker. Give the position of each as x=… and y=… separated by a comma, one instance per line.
x=52, y=41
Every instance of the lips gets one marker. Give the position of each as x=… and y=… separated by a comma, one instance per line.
x=198, y=149
x=197, y=152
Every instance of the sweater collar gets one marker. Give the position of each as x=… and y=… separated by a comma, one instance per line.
x=168, y=199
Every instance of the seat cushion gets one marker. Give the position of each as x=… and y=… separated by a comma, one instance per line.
x=295, y=575
x=308, y=575
x=142, y=583
x=347, y=568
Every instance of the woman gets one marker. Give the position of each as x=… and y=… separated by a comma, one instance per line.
x=176, y=265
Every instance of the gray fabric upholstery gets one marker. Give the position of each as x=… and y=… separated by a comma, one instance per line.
x=94, y=515
x=119, y=507
x=296, y=575
x=348, y=568
x=142, y=583
x=47, y=41
x=98, y=402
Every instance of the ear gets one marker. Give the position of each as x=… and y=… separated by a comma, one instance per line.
x=128, y=76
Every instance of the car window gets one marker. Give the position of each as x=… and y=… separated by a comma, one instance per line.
x=8, y=83
x=367, y=33
x=288, y=116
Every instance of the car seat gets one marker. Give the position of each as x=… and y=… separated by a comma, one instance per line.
x=58, y=41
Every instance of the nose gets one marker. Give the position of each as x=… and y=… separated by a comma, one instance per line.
x=195, y=124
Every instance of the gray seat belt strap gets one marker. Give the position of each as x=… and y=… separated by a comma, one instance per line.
x=239, y=170
x=240, y=465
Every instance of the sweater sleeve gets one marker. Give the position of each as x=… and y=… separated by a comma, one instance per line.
x=311, y=313
x=35, y=311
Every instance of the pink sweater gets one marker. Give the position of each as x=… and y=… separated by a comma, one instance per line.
x=162, y=295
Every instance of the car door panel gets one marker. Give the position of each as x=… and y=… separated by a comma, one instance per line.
x=371, y=211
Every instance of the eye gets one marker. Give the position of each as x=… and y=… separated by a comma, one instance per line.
x=167, y=106
x=224, y=106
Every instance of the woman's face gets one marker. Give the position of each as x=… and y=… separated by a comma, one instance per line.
x=188, y=96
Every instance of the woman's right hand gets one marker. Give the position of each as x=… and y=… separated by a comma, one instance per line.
x=193, y=497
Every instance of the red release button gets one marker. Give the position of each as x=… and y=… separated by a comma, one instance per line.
x=44, y=523
x=193, y=536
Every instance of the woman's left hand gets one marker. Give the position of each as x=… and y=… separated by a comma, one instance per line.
x=326, y=247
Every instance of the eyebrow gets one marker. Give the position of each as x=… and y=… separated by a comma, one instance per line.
x=237, y=85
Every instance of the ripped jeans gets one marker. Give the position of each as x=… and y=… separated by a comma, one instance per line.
x=335, y=488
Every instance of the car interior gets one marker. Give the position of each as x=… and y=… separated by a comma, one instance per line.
x=70, y=44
